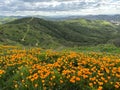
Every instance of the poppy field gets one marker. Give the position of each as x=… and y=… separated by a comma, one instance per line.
x=38, y=69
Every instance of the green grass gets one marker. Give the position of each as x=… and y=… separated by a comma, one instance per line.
x=104, y=48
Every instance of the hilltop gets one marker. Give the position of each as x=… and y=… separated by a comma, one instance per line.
x=45, y=33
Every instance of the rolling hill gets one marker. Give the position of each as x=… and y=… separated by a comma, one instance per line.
x=76, y=32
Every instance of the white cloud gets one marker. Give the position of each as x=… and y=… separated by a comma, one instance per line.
x=59, y=7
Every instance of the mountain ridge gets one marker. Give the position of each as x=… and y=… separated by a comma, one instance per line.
x=115, y=17
x=68, y=33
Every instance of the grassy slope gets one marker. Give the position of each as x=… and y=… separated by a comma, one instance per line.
x=57, y=33
x=6, y=19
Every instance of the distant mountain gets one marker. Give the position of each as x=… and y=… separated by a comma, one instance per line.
x=111, y=18
x=75, y=32
x=91, y=17
x=103, y=17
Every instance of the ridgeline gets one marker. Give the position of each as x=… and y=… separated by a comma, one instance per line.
x=66, y=33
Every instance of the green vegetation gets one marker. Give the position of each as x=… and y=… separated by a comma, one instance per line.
x=105, y=48
x=86, y=55
x=6, y=19
x=52, y=34
x=38, y=69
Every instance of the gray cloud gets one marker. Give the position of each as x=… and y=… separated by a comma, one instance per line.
x=36, y=0
x=63, y=6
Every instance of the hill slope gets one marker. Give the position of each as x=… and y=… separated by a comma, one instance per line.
x=39, y=32
x=6, y=19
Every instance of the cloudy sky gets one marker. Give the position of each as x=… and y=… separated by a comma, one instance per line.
x=59, y=7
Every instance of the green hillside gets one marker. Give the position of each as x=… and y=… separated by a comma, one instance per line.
x=4, y=20
x=77, y=32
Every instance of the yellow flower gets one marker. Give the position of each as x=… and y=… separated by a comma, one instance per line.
x=116, y=86
x=111, y=82
x=118, y=75
x=21, y=74
x=85, y=76
x=32, y=79
x=53, y=77
x=23, y=81
x=79, y=73
x=94, y=82
x=43, y=81
x=77, y=79
x=36, y=85
x=107, y=70
x=91, y=84
x=108, y=77
x=25, y=85
x=100, y=88
x=2, y=72
x=61, y=81
x=100, y=83
x=16, y=85
x=72, y=80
